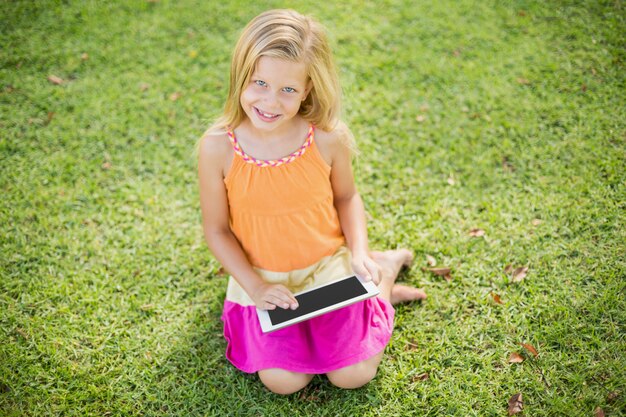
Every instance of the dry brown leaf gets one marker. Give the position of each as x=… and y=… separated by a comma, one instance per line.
x=424, y=108
x=55, y=80
x=175, y=96
x=531, y=349
x=520, y=273
x=144, y=86
x=50, y=116
x=451, y=180
x=420, y=118
x=21, y=332
x=508, y=269
x=147, y=307
x=442, y=272
x=431, y=260
x=84, y=56
x=523, y=81
x=536, y=222
x=106, y=165
x=516, y=358
x=599, y=412
x=439, y=271
x=496, y=298
x=612, y=396
x=515, y=404
x=477, y=232
x=420, y=377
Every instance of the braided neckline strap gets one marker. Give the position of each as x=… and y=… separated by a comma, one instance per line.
x=275, y=162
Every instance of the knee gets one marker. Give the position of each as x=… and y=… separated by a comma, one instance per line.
x=284, y=382
x=353, y=377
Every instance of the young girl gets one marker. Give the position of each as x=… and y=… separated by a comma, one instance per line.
x=281, y=213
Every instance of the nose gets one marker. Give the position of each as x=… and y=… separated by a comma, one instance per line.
x=270, y=98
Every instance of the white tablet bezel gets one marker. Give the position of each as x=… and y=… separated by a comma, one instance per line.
x=267, y=326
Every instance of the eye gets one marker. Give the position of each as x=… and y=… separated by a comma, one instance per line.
x=260, y=83
x=289, y=90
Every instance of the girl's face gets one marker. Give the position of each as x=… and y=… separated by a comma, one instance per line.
x=274, y=94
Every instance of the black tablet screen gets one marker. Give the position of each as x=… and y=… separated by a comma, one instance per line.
x=320, y=298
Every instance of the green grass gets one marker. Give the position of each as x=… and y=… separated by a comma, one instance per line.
x=110, y=301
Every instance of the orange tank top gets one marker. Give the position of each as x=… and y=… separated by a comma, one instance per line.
x=282, y=211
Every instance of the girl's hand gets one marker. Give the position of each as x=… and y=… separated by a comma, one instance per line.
x=366, y=268
x=269, y=296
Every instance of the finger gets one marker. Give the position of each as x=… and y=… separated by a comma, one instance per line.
x=375, y=271
x=291, y=299
x=362, y=272
x=278, y=299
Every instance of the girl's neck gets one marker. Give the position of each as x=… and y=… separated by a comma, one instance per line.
x=287, y=132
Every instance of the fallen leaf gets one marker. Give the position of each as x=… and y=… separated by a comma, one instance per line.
x=411, y=346
x=431, y=260
x=536, y=222
x=84, y=56
x=420, y=118
x=106, y=165
x=144, y=86
x=508, y=269
x=477, y=232
x=599, y=412
x=147, y=307
x=175, y=96
x=50, y=116
x=442, y=272
x=496, y=298
x=148, y=355
x=424, y=108
x=55, y=80
x=520, y=273
x=516, y=358
x=421, y=377
x=612, y=396
x=465, y=109
x=523, y=81
x=451, y=180
x=583, y=88
x=456, y=52
x=21, y=332
x=521, y=13
x=507, y=165
x=515, y=404
x=530, y=348
x=439, y=271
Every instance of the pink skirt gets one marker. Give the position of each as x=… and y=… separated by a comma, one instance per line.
x=322, y=344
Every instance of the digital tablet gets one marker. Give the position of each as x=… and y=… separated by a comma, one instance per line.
x=317, y=301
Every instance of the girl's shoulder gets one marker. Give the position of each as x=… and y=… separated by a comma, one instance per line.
x=214, y=148
x=334, y=142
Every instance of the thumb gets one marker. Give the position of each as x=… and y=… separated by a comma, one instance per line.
x=361, y=271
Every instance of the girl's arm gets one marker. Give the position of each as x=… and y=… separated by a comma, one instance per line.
x=350, y=208
x=213, y=153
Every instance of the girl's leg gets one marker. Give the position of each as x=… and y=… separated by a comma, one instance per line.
x=283, y=382
x=391, y=262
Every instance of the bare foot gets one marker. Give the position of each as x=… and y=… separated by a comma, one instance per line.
x=404, y=294
x=392, y=261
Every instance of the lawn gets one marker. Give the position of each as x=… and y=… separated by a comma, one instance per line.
x=492, y=142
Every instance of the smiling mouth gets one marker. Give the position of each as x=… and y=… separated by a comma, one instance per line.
x=266, y=116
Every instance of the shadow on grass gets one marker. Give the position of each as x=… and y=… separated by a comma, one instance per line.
x=197, y=379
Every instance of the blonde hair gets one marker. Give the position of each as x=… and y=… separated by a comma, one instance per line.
x=285, y=34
